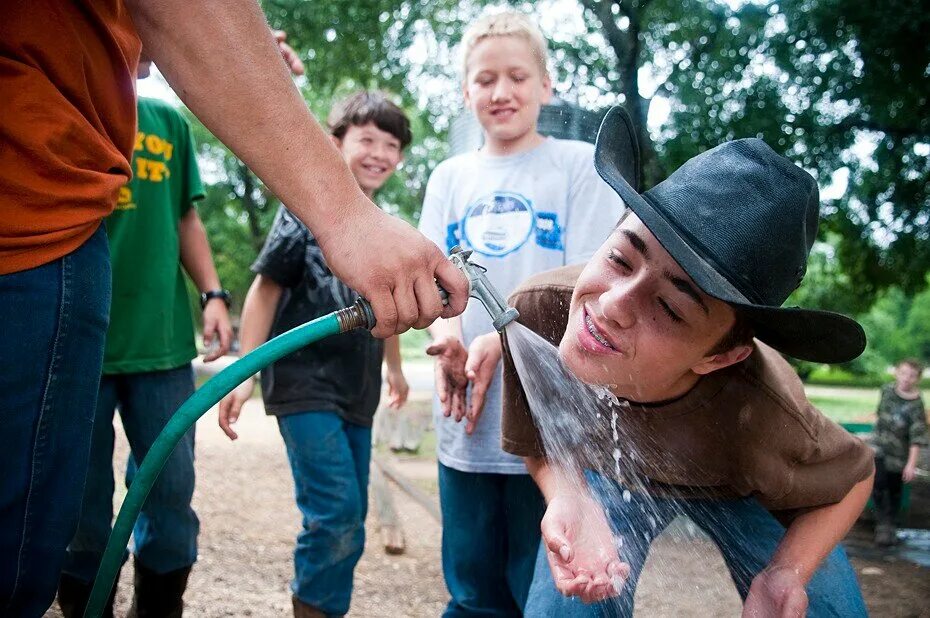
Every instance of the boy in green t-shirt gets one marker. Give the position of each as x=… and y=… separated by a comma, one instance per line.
x=154, y=233
x=900, y=431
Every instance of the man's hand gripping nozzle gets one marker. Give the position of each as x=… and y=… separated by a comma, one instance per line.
x=360, y=314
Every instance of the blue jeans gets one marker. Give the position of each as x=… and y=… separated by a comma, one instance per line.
x=490, y=532
x=165, y=535
x=53, y=320
x=742, y=529
x=329, y=460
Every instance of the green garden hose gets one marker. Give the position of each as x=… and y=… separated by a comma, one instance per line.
x=357, y=316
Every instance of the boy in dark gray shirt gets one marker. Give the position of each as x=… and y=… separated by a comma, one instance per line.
x=325, y=395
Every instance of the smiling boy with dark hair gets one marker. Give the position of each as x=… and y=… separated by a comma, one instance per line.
x=664, y=315
x=324, y=395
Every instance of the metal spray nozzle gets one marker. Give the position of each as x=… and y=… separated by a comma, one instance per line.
x=480, y=288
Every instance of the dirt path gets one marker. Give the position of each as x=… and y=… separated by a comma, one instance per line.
x=249, y=520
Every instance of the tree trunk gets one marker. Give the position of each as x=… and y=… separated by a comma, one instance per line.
x=626, y=47
x=250, y=206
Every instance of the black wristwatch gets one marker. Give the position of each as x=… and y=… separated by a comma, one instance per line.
x=211, y=294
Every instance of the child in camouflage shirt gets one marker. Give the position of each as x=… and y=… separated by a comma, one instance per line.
x=900, y=429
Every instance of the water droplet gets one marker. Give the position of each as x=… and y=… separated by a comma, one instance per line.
x=626, y=495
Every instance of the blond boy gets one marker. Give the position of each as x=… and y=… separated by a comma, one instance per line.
x=524, y=203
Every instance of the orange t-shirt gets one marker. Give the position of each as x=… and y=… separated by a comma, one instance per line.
x=67, y=123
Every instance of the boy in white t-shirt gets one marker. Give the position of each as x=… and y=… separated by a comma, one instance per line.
x=524, y=203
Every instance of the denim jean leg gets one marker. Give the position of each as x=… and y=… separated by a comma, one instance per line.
x=326, y=485
x=360, y=444
x=886, y=493
x=86, y=548
x=748, y=535
x=53, y=320
x=474, y=544
x=165, y=535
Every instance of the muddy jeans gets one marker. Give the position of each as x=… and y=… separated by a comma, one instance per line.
x=743, y=530
x=330, y=461
x=53, y=320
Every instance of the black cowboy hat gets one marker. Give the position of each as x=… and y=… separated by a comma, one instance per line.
x=740, y=220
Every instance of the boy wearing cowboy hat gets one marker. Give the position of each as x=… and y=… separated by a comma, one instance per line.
x=679, y=315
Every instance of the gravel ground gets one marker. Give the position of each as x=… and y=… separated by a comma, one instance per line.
x=249, y=520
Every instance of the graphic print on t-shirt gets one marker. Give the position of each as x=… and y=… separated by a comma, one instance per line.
x=145, y=167
x=498, y=223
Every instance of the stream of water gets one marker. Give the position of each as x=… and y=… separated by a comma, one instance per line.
x=584, y=428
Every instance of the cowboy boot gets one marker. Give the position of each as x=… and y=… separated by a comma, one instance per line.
x=158, y=595
x=302, y=610
x=74, y=593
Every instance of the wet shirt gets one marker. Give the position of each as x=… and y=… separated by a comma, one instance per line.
x=521, y=214
x=746, y=430
x=67, y=123
x=900, y=424
x=151, y=327
x=341, y=373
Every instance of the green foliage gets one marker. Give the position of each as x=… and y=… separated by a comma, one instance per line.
x=413, y=345
x=847, y=405
x=861, y=73
x=896, y=325
x=822, y=81
x=824, y=375
x=917, y=326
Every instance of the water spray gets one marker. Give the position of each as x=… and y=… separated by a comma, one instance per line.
x=359, y=315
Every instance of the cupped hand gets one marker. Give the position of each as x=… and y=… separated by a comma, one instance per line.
x=291, y=59
x=484, y=354
x=398, y=389
x=231, y=406
x=581, y=549
x=450, y=355
x=776, y=592
x=216, y=324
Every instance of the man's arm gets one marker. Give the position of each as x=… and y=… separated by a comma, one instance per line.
x=398, y=389
x=223, y=62
x=198, y=262
x=910, y=468
x=779, y=589
x=814, y=534
x=917, y=436
x=258, y=311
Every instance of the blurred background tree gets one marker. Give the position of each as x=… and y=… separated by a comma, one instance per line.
x=839, y=87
